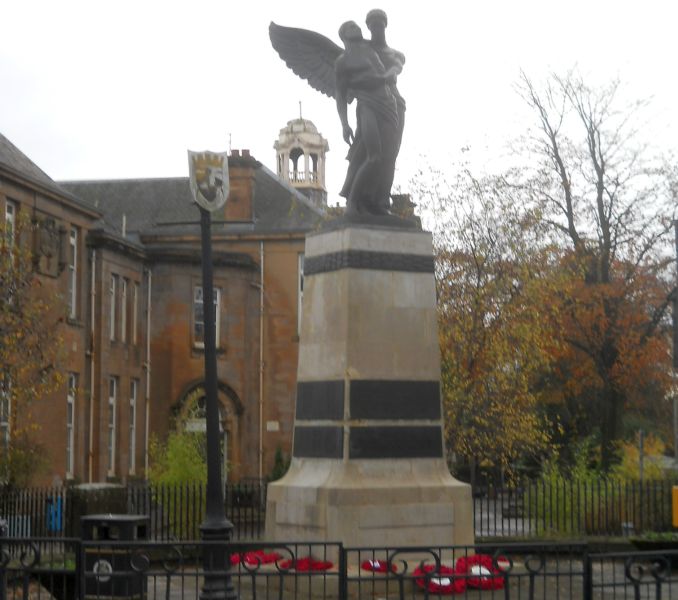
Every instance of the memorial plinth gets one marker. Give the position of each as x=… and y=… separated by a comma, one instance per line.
x=368, y=464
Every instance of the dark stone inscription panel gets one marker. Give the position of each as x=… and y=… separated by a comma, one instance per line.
x=395, y=442
x=318, y=400
x=318, y=442
x=376, y=399
x=366, y=259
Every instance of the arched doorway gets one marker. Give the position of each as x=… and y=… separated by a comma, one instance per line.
x=191, y=417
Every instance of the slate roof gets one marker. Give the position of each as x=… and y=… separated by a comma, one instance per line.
x=16, y=162
x=151, y=206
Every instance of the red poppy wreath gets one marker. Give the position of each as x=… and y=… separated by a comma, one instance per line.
x=443, y=581
x=480, y=572
x=255, y=557
x=377, y=566
x=306, y=564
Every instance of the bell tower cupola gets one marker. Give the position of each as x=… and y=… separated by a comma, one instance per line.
x=301, y=159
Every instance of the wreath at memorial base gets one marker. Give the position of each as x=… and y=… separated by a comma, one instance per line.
x=444, y=580
x=480, y=572
x=306, y=564
x=255, y=557
x=377, y=566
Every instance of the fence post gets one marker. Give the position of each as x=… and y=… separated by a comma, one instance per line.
x=3, y=583
x=588, y=576
x=79, y=570
x=343, y=574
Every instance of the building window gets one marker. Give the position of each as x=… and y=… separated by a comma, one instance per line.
x=112, y=399
x=70, y=424
x=112, y=292
x=135, y=314
x=133, y=389
x=199, y=316
x=73, y=274
x=124, y=284
x=10, y=221
x=300, y=290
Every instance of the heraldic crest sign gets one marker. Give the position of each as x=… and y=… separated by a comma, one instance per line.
x=208, y=178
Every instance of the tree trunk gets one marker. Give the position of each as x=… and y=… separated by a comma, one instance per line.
x=611, y=425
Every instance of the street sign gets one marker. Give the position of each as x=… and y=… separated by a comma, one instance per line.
x=208, y=178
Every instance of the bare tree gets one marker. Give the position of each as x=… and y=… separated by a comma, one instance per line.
x=611, y=204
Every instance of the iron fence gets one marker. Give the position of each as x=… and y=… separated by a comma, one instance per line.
x=70, y=569
x=570, y=508
x=531, y=510
x=175, y=511
x=634, y=575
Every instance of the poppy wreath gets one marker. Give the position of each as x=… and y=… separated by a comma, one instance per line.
x=443, y=582
x=254, y=558
x=306, y=564
x=377, y=566
x=480, y=572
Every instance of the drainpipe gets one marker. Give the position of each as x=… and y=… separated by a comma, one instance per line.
x=261, y=361
x=149, y=276
x=92, y=322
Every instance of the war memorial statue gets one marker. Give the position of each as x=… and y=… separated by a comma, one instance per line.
x=367, y=72
x=368, y=456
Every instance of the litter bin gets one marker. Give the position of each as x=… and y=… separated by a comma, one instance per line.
x=108, y=569
x=92, y=499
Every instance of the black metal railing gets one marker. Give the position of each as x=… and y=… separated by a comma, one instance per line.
x=175, y=511
x=34, y=512
x=532, y=510
x=44, y=568
x=570, y=508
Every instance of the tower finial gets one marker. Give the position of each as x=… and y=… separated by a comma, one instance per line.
x=300, y=110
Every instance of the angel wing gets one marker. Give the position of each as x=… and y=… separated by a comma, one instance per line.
x=309, y=54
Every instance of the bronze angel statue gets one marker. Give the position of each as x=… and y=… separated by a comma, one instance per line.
x=367, y=71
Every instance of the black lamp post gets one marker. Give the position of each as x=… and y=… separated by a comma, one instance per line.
x=209, y=184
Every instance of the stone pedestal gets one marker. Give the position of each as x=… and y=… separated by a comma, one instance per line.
x=368, y=464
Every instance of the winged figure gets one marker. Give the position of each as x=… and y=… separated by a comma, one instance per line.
x=364, y=70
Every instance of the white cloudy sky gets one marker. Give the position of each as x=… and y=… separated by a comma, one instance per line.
x=100, y=89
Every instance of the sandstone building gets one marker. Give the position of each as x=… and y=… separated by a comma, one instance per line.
x=130, y=279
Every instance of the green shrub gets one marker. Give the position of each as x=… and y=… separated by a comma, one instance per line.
x=580, y=500
x=178, y=474
x=280, y=465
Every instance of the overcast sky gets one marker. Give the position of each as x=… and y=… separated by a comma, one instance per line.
x=93, y=89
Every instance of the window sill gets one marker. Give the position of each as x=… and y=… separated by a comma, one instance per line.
x=200, y=349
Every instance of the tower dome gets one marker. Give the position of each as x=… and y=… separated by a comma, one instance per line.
x=301, y=159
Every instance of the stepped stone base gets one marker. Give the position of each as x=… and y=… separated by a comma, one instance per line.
x=408, y=502
x=367, y=462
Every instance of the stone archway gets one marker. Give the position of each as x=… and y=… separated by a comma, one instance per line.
x=191, y=417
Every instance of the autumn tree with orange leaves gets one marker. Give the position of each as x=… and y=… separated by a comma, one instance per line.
x=554, y=282
x=609, y=205
x=30, y=346
x=495, y=341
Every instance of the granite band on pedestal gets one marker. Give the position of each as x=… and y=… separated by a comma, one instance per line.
x=365, y=259
x=369, y=400
x=368, y=432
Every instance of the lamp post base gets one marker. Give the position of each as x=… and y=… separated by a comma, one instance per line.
x=218, y=584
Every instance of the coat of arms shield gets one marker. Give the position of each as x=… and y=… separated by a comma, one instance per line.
x=208, y=178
